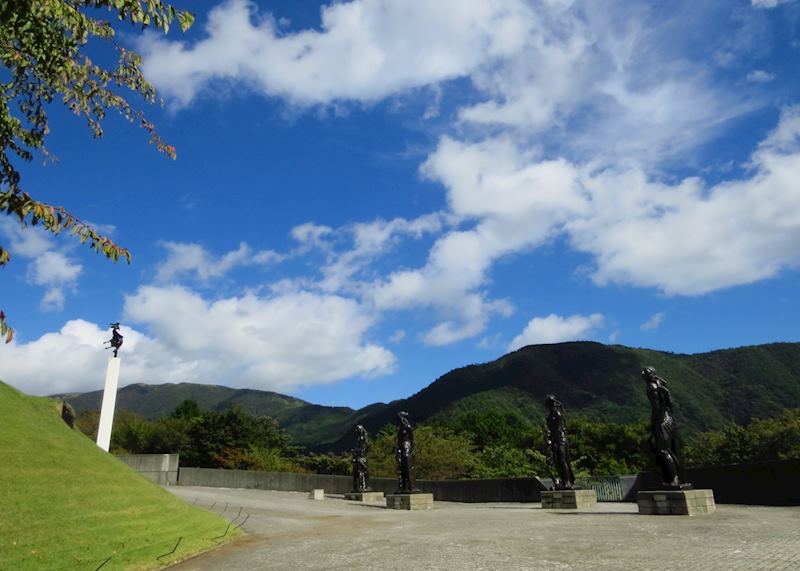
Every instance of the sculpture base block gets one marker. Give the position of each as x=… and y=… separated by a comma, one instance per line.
x=316, y=494
x=676, y=502
x=569, y=499
x=409, y=501
x=364, y=496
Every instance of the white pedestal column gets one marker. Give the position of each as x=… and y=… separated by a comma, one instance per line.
x=109, y=401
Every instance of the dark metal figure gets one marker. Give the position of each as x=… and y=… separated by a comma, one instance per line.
x=116, y=338
x=404, y=455
x=67, y=413
x=557, y=444
x=663, y=429
x=360, y=472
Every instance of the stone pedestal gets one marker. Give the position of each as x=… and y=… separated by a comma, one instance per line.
x=569, y=499
x=409, y=501
x=316, y=494
x=364, y=496
x=676, y=502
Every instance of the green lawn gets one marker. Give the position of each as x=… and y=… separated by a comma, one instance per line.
x=64, y=503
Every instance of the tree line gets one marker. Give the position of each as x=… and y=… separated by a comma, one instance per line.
x=487, y=444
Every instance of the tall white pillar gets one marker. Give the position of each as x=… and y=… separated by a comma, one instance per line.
x=109, y=401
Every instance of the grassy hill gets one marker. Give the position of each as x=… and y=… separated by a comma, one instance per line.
x=64, y=503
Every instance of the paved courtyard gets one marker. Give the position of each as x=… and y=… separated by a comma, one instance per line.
x=287, y=531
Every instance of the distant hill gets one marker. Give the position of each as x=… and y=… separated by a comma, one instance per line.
x=599, y=382
x=603, y=383
x=307, y=423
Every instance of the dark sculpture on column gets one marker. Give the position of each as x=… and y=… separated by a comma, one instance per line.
x=360, y=472
x=663, y=430
x=116, y=338
x=557, y=444
x=404, y=455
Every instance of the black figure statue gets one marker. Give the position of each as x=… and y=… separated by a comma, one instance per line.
x=116, y=338
x=404, y=455
x=557, y=444
x=663, y=430
x=360, y=472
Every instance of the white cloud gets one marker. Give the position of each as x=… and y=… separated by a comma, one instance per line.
x=73, y=359
x=26, y=241
x=683, y=238
x=371, y=240
x=397, y=336
x=599, y=79
x=769, y=3
x=516, y=206
x=586, y=103
x=556, y=329
x=53, y=268
x=192, y=259
x=53, y=299
x=48, y=268
x=310, y=234
x=277, y=342
x=271, y=343
x=621, y=86
x=687, y=239
x=654, y=322
x=364, y=49
x=760, y=76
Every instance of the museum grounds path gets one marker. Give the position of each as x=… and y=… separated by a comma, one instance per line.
x=287, y=531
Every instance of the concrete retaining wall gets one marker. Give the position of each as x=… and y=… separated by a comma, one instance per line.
x=496, y=490
x=766, y=483
x=761, y=483
x=160, y=468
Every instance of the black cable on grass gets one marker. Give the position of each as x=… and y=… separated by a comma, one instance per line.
x=173, y=549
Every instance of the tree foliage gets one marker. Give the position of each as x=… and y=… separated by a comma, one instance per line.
x=608, y=448
x=441, y=454
x=760, y=441
x=44, y=52
x=474, y=445
x=207, y=439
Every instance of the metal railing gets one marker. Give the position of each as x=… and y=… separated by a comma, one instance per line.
x=608, y=488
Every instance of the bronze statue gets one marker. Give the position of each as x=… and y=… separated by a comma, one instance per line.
x=116, y=338
x=557, y=444
x=404, y=455
x=663, y=430
x=360, y=472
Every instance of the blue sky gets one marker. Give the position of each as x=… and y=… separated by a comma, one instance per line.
x=371, y=193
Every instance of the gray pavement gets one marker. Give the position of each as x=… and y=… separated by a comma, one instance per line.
x=286, y=530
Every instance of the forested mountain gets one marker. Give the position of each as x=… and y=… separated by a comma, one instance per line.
x=307, y=423
x=596, y=381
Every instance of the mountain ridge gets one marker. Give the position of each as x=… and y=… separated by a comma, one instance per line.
x=597, y=381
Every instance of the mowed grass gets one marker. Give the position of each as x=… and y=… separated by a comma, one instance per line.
x=66, y=504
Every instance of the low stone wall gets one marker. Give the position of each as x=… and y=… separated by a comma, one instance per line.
x=496, y=490
x=160, y=468
x=281, y=481
x=761, y=483
x=764, y=483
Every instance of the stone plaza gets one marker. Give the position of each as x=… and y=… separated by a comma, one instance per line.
x=286, y=531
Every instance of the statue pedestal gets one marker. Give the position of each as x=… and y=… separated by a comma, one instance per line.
x=409, y=501
x=676, y=502
x=569, y=499
x=364, y=496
